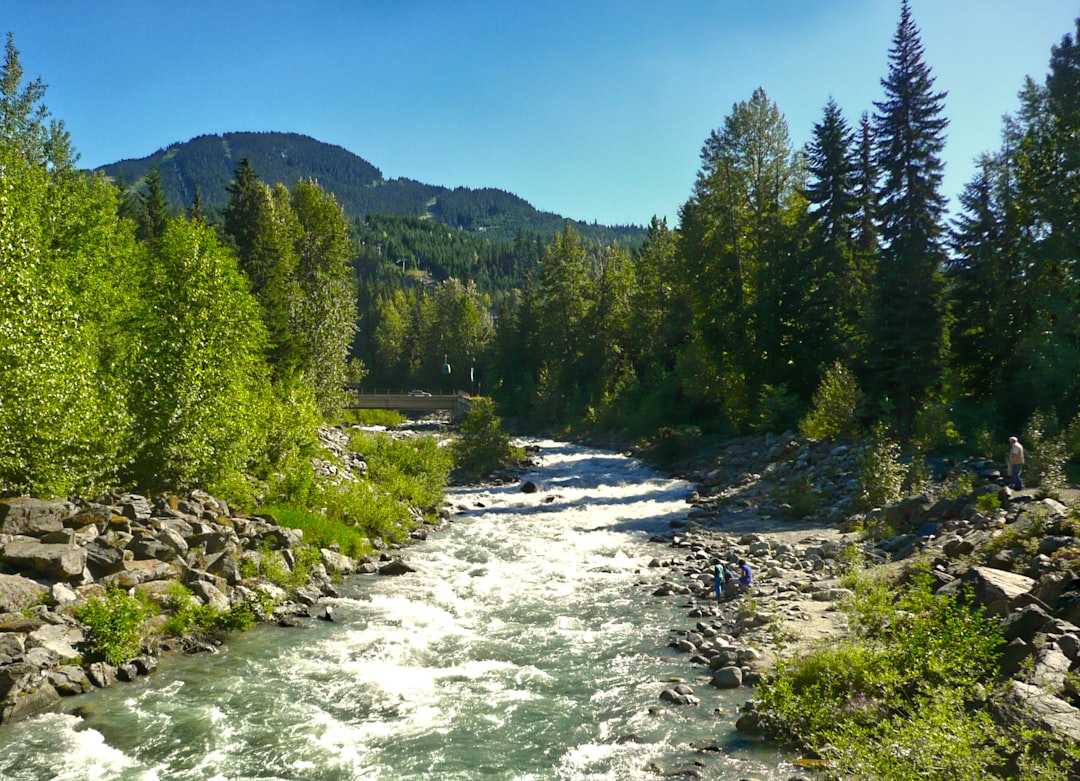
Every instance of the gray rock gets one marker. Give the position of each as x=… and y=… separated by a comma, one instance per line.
x=35, y=700
x=135, y=507
x=32, y=517
x=12, y=647
x=396, y=567
x=18, y=593
x=133, y=573
x=225, y=566
x=59, y=562
x=62, y=594
x=997, y=591
x=1025, y=704
x=1025, y=622
x=210, y=595
x=60, y=639
x=337, y=564
x=101, y=674
x=147, y=546
x=1051, y=667
x=727, y=678
x=69, y=679
x=103, y=557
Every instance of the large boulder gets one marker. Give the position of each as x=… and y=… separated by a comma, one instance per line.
x=59, y=562
x=132, y=573
x=58, y=638
x=18, y=593
x=32, y=517
x=998, y=591
x=103, y=556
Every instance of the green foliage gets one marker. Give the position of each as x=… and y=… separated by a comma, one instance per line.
x=835, y=407
x=197, y=369
x=321, y=531
x=890, y=701
x=987, y=503
x=957, y=484
x=777, y=409
x=933, y=430
x=372, y=417
x=880, y=472
x=115, y=625
x=799, y=495
x=482, y=447
x=1046, y=453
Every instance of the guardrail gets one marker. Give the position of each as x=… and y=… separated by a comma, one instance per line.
x=458, y=402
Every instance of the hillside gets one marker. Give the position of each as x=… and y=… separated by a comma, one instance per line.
x=209, y=161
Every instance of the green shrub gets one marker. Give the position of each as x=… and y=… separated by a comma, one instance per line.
x=890, y=701
x=321, y=531
x=988, y=503
x=800, y=497
x=880, y=472
x=835, y=406
x=372, y=417
x=188, y=615
x=482, y=447
x=116, y=625
x=778, y=409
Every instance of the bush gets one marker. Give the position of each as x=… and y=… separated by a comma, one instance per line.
x=892, y=700
x=835, y=406
x=482, y=447
x=188, y=615
x=116, y=625
x=881, y=473
x=372, y=417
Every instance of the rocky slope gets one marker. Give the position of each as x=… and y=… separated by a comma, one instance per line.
x=1020, y=555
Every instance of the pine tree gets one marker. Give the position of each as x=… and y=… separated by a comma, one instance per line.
x=837, y=298
x=908, y=329
x=154, y=209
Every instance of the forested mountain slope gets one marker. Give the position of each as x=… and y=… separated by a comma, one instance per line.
x=208, y=163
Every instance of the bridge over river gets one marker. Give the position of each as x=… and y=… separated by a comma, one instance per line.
x=457, y=402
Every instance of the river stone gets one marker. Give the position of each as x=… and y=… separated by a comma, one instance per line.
x=396, y=567
x=210, y=594
x=42, y=658
x=14, y=678
x=133, y=573
x=135, y=507
x=1024, y=703
x=69, y=679
x=727, y=678
x=147, y=546
x=35, y=700
x=225, y=566
x=63, y=594
x=101, y=674
x=337, y=563
x=32, y=517
x=996, y=590
x=215, y=541
x=18, y=593
x=174, y=540
x=59, y=562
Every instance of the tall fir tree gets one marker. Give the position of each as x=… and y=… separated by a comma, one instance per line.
x=837, y=297
x=908, y=329
x=154, y=209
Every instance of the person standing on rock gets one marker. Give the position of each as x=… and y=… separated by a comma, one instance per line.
x=1015, y=461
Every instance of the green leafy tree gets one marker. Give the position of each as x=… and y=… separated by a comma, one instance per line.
x=199, y=366
x=908, y=328
x=482, y=447
x=260, y=222
x=324, y=319
x=61, y=252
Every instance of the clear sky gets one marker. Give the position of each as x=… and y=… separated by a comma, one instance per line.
x=596, y=110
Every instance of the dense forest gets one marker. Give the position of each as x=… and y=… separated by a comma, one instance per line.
x=202, y=168
x=822, y=287
x=800, y=280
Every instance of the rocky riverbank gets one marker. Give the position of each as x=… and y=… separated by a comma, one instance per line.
x=1018, y=552
x=56, y=556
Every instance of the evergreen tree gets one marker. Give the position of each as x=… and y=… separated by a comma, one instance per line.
x=735, y=240
x=908, y=328
x=154, y=209
x=837, y=296
x=263, y=228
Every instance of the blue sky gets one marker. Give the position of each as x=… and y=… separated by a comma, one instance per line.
x=594, y=110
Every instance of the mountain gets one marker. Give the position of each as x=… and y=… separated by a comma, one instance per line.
x=209, y=161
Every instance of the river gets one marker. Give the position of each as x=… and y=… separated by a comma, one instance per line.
x=526, y=647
